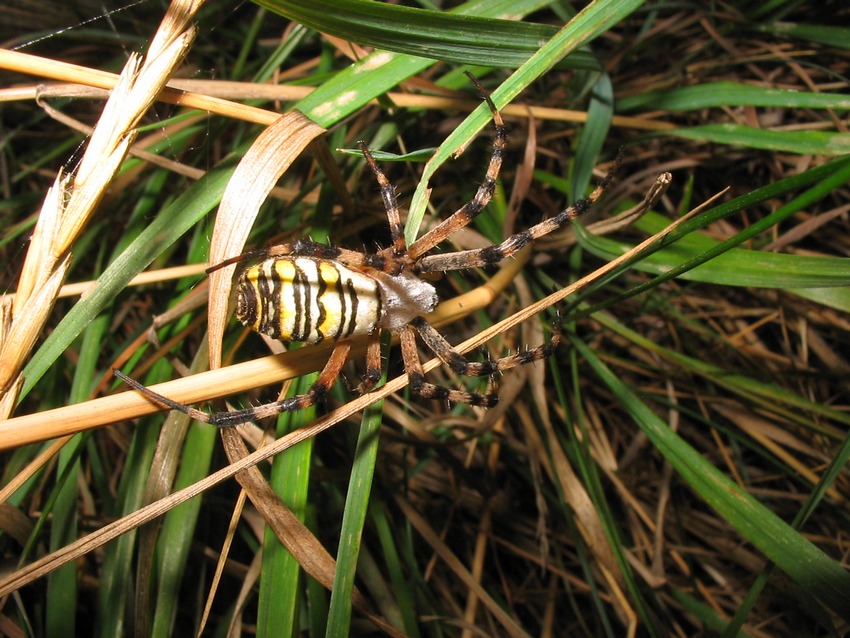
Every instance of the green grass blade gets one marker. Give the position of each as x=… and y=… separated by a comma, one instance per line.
x=788, y=549
x=822, y=181
x=404, y=586
x=62, y=584
x=705, y=613
x=354, y=518
x=378, y=72
x=280, y=590
x=803, y=142
x=117, y=584
x=592, y=136
x=593, y=20
x=437, y=35
x=577, y=447
x=731, y=94
x=172, y=222
x=837, y=298
x=174, y=546
x=736, y=267
x=822, y=34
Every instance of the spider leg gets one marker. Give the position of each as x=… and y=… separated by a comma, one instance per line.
x=315, y=394
x=298, y=248
x=373, y=364
x=399, y=245
x=496, y=253
x=462, y=216
x=413, y=366
x=461, y=365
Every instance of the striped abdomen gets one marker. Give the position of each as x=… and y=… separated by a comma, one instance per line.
x=307, y=299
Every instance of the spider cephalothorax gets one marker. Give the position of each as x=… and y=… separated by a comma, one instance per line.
x=310, y=292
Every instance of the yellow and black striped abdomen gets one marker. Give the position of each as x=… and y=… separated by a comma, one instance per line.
x=307, y=299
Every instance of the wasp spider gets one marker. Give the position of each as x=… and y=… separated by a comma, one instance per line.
x=309, y=292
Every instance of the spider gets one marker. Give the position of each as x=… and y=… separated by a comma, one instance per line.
x=309, y=292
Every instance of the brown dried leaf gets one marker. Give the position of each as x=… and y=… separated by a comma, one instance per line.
x=259, y=170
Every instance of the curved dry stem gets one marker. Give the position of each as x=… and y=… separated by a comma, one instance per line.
x=268, y=158
x=216, y=96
